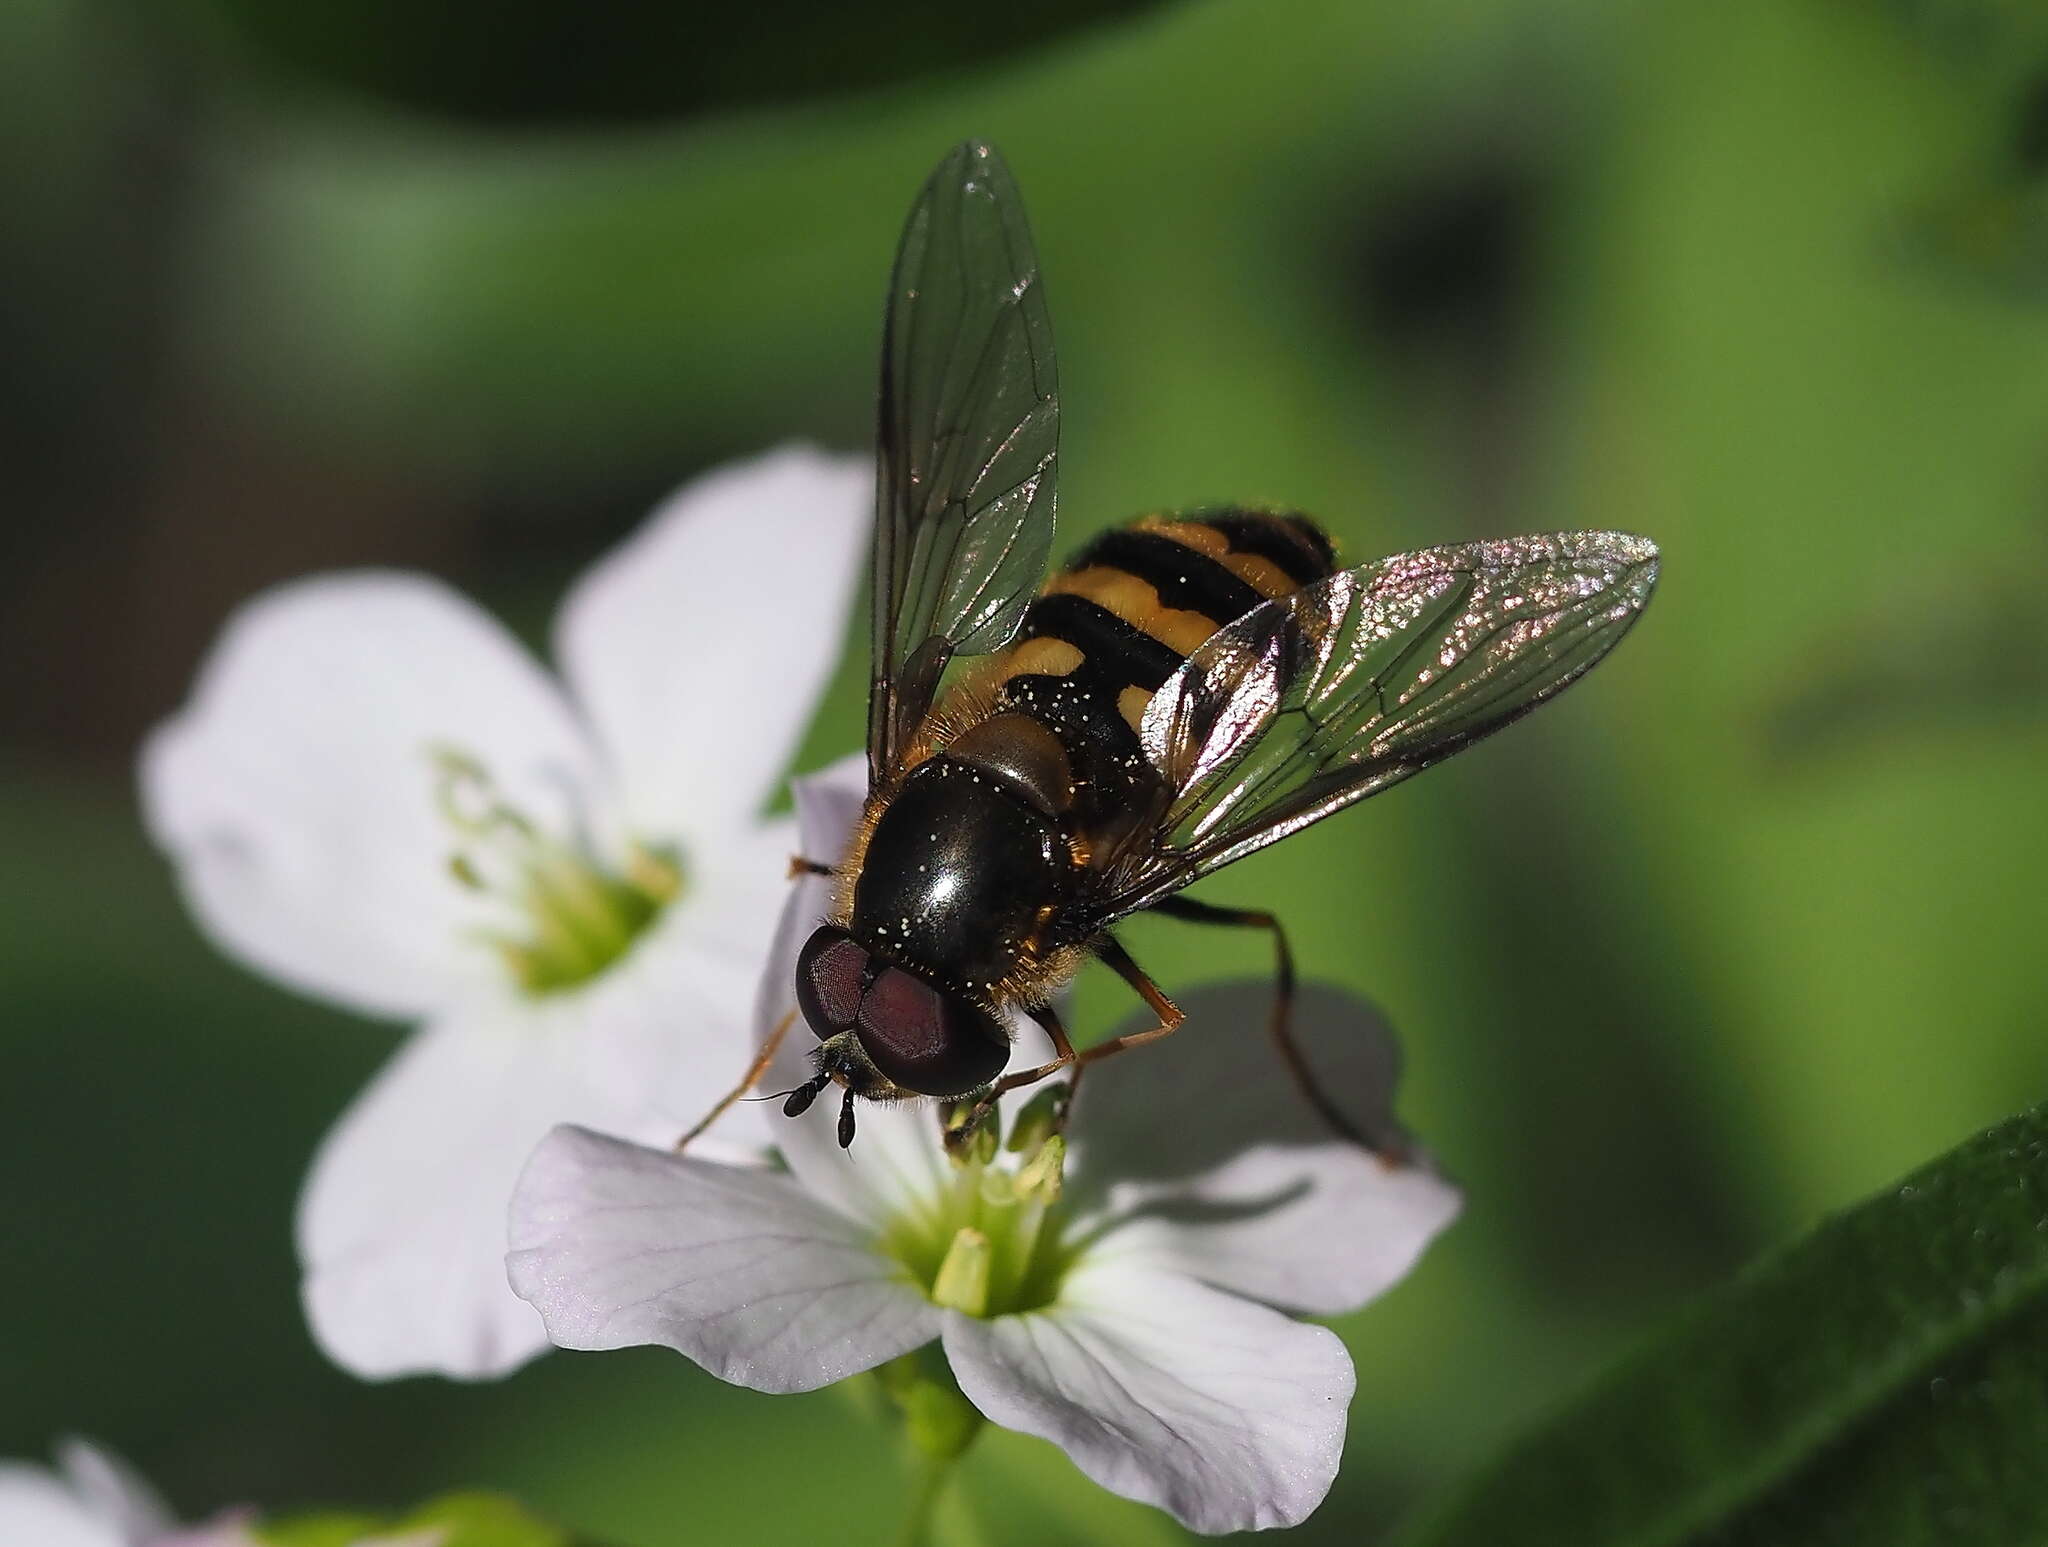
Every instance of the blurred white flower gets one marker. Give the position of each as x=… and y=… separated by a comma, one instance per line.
x=93, y=1499
x=378, y=798
x=1136, y=1318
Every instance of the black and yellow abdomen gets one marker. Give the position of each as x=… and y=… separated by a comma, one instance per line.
x=1112, y=626
x=963, y=872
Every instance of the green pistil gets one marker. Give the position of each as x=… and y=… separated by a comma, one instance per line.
x=581, y=916
x=962, y=1281
x=990, y=1244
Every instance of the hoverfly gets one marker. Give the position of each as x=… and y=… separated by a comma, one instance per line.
x=1186, y=691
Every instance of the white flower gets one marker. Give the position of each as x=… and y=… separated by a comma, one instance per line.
x=1137, y=1320
x=94, y=1499
x=378, y=798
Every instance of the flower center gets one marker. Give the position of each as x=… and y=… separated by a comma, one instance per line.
x=990, y=1243
x=570, y=914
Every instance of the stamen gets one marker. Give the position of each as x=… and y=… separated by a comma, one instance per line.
x=971, y=1133
x=1044, y=1174
x=581, y=914
x=1040, y=1119
x=992, y=1241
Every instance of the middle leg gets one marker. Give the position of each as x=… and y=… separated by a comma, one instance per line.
x=1280, y=1024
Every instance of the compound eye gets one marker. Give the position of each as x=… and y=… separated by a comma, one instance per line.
x=829, y=971
x=928, y=1042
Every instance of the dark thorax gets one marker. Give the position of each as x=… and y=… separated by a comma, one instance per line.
x=971, y=858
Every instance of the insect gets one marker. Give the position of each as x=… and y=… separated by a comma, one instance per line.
x=1186, y=691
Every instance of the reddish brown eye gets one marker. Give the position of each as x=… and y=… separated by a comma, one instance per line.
x=929, y=1042
x=829, y=971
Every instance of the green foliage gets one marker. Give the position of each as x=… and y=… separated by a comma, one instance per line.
x=462, y=1519
x=1878, y=1384
x=1730, y=935
x=501, y=61
x=323, y=1530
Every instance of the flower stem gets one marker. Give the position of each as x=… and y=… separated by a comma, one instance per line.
x=938, y=1426
x=928, y=1475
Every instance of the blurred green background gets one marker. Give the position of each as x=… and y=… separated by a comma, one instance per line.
x=1728, y=938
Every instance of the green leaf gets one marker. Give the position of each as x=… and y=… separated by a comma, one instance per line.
x=322, y=1530
x=1882, y=1382
x=483, y=1520
x=462, y=1519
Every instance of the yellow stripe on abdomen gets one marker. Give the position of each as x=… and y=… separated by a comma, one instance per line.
x=1261, y=574
x=1137, y=603
x=1132, y=703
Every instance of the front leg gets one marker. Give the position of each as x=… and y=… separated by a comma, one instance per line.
x=748, y=1081
x=1170, y=1014
x=1118, y=960
x=958, y=1134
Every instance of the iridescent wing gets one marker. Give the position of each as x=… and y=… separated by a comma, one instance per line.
x=1318, y=699
x=968, y=442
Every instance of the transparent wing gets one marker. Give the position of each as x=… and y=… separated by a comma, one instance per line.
x=1321, y=698
x=968, y=442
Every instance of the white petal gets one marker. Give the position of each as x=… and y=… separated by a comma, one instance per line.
x=699, y=646
x=296, y=789
x=402, y=1223
x=113, y=1490
x=1225, y=1414
x=736, y=1268
x=828, y=804
x=896, y=1164
x=1202, y=1157
x=94, y=1499
x=671, y=1022
x=36, y=1508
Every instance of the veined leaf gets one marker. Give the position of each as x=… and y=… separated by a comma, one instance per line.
x=1882, y=1383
